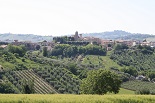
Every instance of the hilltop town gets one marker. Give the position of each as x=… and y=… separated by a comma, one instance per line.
x=80, y=40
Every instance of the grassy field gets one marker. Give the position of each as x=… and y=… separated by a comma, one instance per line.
x=66, y=98
x=125, y=91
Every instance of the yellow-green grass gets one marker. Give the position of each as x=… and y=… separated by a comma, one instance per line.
x=123, y=91
x=6, y=64
x=67, y=98
x=107, y=62
x=126, y=91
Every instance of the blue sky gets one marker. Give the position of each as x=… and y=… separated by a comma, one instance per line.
x=61, y=17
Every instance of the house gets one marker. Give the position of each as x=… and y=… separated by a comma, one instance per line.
x=145, y=43
x=140, y=77
x=152, y=44
x=107, y=42
x=92, y=40
x=3, y=46
x=126, y=42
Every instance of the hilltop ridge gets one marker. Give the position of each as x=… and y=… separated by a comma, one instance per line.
x=8, y=37
x=113, y=35
x=119, y=34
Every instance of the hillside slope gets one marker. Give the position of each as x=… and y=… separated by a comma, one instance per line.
x=40, y=86
x=100, y=61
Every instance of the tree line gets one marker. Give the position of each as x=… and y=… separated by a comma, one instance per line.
x=67, y=50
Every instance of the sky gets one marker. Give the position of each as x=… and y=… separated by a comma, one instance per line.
x=62, y=17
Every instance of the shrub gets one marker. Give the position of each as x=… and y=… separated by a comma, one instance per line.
x=152, y=92
x=61, y=90
x=143, y=91
x=6, y=88
x=48, y=79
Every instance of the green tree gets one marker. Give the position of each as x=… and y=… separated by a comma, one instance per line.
x=151, y=75
x=72, y=67
x=37, y=47
x=100, y=82
x=20, y=50
x=131, y=70
x=67, y=50
x=6, y=88
x=28, y=87
x=45, y=51
x=121, y=46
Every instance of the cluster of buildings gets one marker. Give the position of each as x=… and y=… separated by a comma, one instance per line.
x=32, y=46
x=79, y=37
x=108, y=44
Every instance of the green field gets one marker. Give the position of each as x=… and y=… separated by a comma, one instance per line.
x=66, y=98
x=125, y=91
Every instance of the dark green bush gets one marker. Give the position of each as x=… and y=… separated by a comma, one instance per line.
x=143, y=91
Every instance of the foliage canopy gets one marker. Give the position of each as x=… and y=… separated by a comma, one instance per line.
x=100, y=82
x=67, y=50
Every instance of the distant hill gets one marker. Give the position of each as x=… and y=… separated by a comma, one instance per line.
x=113, y=35
x=151, y=39
x=119, y=34
x=8, y=37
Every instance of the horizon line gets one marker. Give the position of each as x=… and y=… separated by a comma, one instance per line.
x=74, y=33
